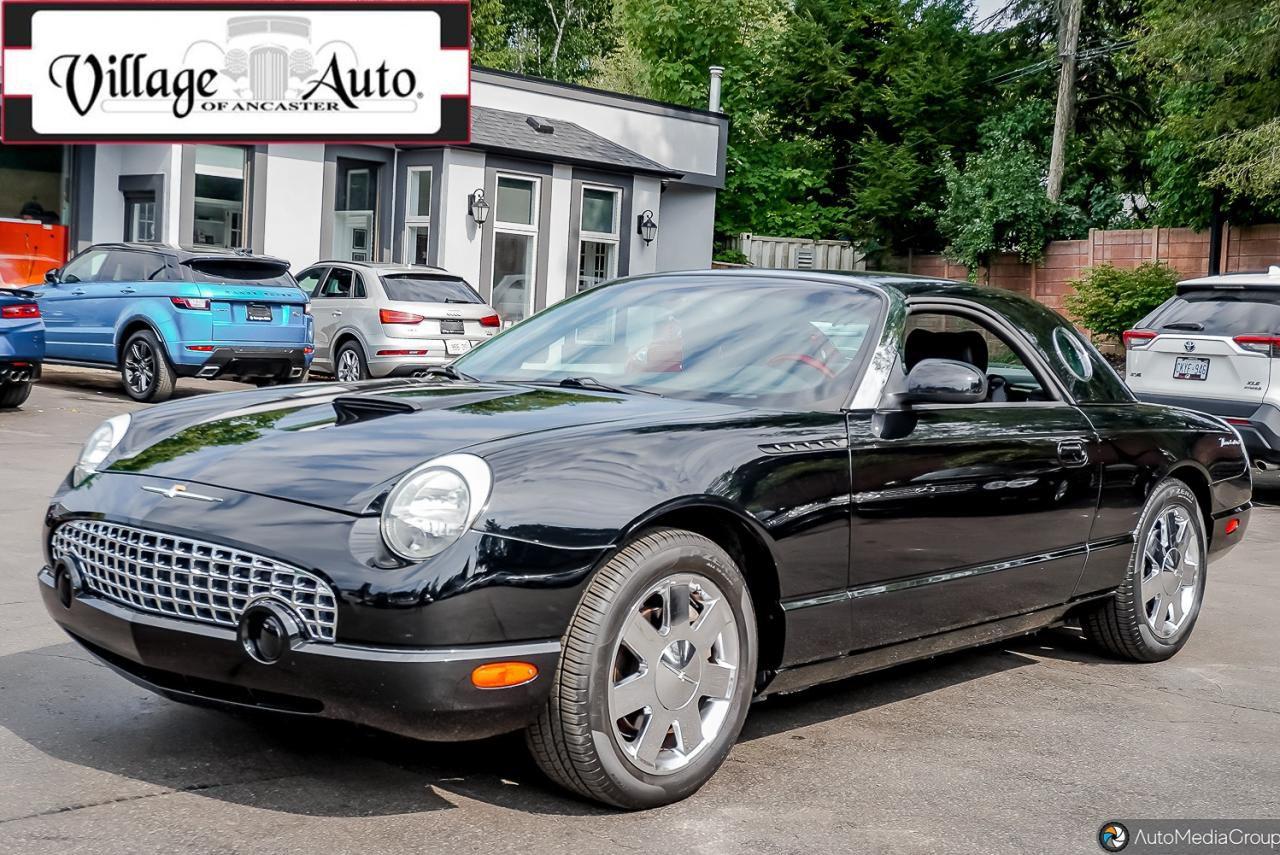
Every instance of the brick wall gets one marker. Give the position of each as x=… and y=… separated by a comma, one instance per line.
x=1186, y=251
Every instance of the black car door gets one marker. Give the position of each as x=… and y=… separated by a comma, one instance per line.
x=969, y=512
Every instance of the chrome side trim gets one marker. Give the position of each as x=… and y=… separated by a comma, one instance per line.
x=936, y=578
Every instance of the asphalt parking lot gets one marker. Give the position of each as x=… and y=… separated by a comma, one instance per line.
x=1025, y=747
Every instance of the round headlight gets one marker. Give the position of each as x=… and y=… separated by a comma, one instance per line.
x=434, y=505
x=99, y=446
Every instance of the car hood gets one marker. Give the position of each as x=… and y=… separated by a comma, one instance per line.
x=341, y=447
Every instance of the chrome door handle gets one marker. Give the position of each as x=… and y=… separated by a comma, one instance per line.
x=337, y=314
x=1072, y=452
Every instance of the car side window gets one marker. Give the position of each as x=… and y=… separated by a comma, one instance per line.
x=938, y=335
x=309, y=280
x=128, y=266
x=339, y=284
x=84, y=267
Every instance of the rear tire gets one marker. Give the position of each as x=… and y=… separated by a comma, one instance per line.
x=14, y=394
x=639, y=731
x=349, y=366
x=145, y=369
x=1151, y=615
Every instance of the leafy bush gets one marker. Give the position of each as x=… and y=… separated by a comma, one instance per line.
x=1109, y=300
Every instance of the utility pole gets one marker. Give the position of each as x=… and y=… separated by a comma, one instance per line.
x=1068, y=39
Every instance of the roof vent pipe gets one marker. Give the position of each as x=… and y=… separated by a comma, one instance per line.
x=713, y=100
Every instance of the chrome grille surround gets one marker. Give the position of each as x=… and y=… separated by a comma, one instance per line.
x=190, y=579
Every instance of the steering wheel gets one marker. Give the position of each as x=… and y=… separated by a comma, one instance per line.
x=803, y=359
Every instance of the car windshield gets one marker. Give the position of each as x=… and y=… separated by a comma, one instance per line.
x=752, y=342
x=1220, y=313
x=240, y=272
x=425, y=288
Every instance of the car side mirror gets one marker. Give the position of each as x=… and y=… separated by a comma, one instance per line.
x=944, y=381
x=52, y=277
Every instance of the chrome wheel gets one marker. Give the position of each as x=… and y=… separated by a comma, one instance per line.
x=349, y=366
x=139, y=367
x=1170, y=572
x=675, y=669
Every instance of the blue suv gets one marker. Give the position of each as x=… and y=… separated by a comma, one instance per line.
x=21, y=346
x=158, y=312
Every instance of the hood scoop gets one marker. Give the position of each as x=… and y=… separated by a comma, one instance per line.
x=353, y=409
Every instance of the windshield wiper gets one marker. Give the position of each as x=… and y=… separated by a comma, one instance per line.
x=593, y=383
x=450, y=372
x=1189, y=326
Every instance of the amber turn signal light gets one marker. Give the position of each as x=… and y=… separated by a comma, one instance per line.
x=503, y=675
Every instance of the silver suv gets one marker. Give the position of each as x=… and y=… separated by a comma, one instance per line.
x=1212, y=348
x=391, y=320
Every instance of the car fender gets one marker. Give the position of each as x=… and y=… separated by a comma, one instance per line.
x=348, y=330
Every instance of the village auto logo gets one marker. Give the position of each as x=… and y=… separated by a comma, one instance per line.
x=378, y=70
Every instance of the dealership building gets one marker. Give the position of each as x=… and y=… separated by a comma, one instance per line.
x=560, y=188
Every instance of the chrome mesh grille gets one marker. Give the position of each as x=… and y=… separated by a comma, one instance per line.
x=191, y=579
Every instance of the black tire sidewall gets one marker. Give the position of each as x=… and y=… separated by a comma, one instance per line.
x=162, y=365
x=15, y=394
x=1167, y=494
x=638, y=787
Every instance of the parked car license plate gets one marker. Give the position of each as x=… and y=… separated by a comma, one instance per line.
x=259, y=313
x=1191, y=368
x=451, y=327
x=457, y=346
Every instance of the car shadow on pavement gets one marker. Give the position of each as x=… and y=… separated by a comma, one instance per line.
x=63, y=703
x=107, y=383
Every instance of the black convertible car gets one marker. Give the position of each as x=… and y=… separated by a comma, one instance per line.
x=617, y=523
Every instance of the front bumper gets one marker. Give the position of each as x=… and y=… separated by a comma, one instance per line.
x=235, y=362
x=425, y=693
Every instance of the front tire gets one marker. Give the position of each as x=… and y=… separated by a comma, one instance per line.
x=657, y=671
x=14, y=394
x=1151, y=615
x=145, y=369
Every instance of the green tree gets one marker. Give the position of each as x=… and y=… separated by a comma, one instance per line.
x=996, y=201
x=1218, y=130
x=561, y=39
x=888, y=89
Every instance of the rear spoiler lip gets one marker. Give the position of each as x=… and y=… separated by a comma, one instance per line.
x=1190, y=287
x=265, y=260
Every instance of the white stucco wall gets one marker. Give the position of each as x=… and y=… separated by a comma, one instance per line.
x=558, y=255
x=460, y=240
x=108, y=203
x=647, y=196
x=295, y=188
x=686, y=227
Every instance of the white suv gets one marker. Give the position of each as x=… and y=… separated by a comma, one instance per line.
x=391, y=320
x=1211, y=348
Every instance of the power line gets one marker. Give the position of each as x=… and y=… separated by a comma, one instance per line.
x=1053, y=62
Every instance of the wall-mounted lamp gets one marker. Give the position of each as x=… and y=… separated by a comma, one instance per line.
x=477, y=207
x=646, y=227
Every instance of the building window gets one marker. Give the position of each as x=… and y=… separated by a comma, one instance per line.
x=140, y=216
x=355, y=222
x=221, y=193
x=417, y=216
x=598, y=241
x=515, y=247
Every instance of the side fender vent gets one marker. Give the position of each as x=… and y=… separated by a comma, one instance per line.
x=823, y=444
